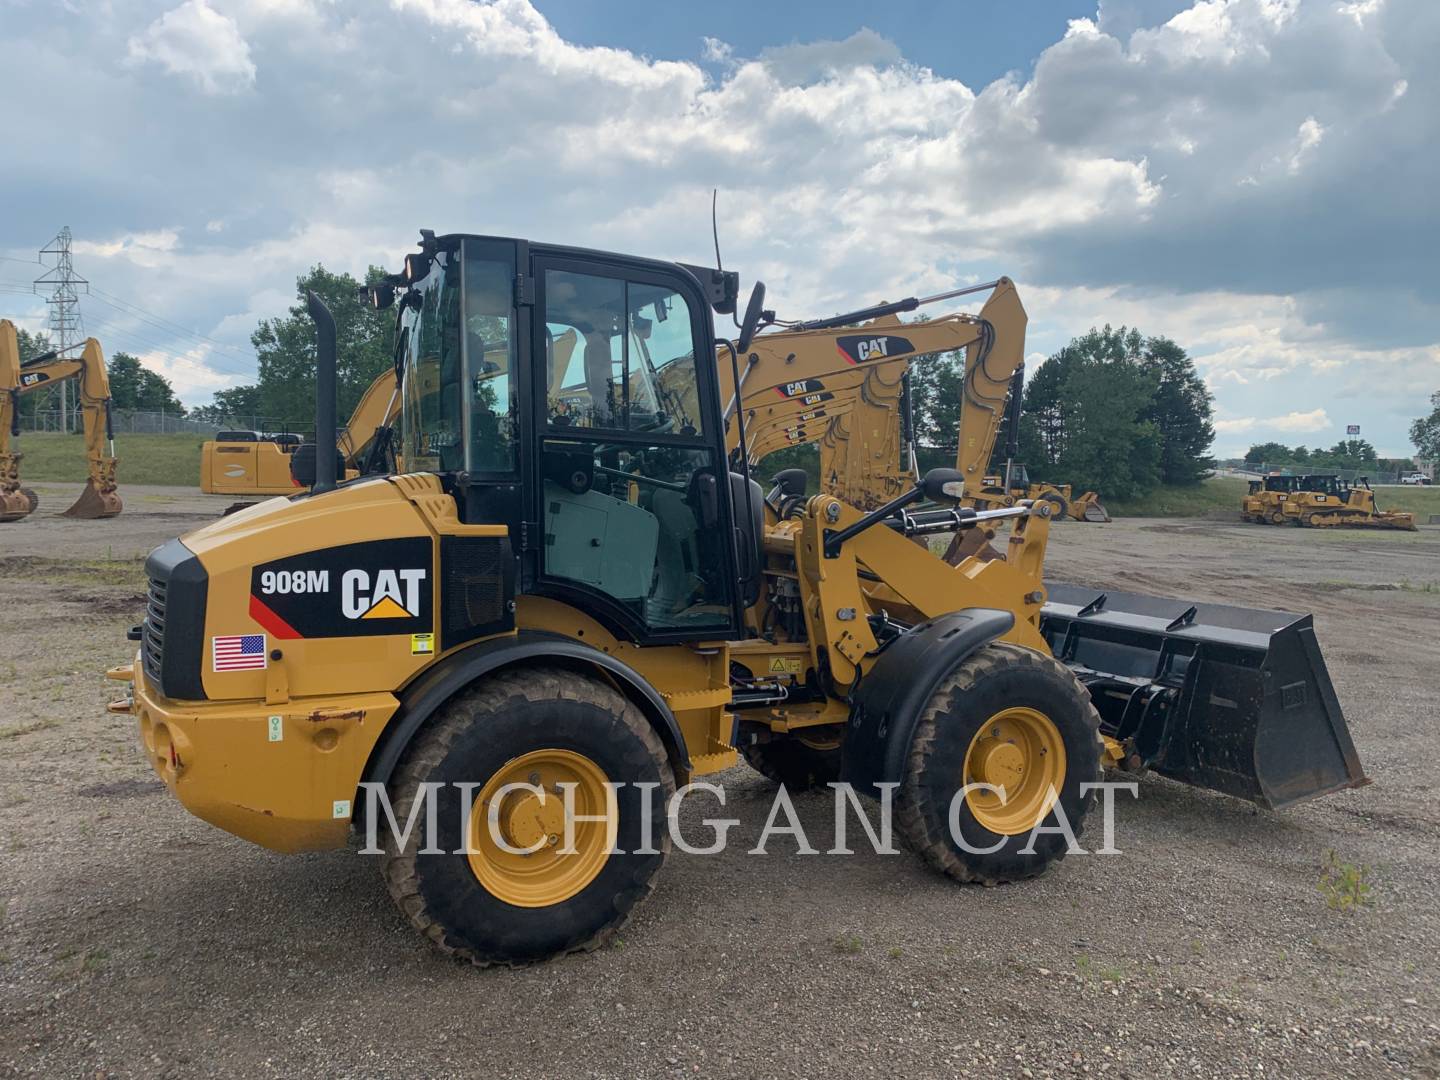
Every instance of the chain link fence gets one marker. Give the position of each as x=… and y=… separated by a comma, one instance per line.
x=1374, y=476
x=144, y=422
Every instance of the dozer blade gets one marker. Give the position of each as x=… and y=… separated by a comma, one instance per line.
x=95, y=503
x=1233, y=699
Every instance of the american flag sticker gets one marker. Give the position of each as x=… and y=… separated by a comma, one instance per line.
x=238, y=652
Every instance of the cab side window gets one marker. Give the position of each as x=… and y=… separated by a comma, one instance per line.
x=620, y=356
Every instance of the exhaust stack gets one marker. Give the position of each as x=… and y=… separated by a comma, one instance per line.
x=325, y=378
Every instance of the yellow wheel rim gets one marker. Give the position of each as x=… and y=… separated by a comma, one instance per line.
x=510, y=812
x=820, y=739
x=1020, y=751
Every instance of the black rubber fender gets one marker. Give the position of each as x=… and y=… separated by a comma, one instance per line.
x=885, y=708
x=441, y=682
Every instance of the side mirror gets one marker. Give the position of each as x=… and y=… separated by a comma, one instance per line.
x=382, y=296
x=751, y=322
x=943, y=485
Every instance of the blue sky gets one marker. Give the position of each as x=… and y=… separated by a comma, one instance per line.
x=1254, y=178
x=976, y=41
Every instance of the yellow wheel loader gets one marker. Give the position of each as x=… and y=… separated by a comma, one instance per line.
x=572, y=606
x=249, y=463
x=99, y=498
x=1264, y=502
x=1327, y=501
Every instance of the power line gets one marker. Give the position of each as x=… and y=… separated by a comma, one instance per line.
x=65, y=321
x=161, y=322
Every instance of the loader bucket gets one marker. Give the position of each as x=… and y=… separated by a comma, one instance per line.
x=1090, y=508
x=1237, y=700
x=95, y=502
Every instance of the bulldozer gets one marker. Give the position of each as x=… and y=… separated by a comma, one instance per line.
x=1327, y=501
x=99, y=498
x=576, y=601
x=1264, y=502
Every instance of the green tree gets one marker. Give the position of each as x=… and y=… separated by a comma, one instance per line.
x=1425, y=432
x=1270, y=453
x=286, y=349
x=935, y=387
x=133, y=386
x=1181, y=411
x=31, y=346
x=1042, y=423
x=1109, y=444
x=236, y=406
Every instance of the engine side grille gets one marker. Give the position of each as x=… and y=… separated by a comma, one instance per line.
x=477, y=588
x=172, y=637
x=152, y=632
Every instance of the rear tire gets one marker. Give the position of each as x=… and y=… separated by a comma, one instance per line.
x=797, y=761
x=545, y=715
x=1000, y=688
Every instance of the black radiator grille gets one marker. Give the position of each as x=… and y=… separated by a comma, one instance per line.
x=477, y=587
x=152, y=635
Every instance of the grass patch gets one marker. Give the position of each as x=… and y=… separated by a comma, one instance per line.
x=1345, y=886
x=144, y=459
x=1218, y=493
x=1420, y=501
x=848, y=945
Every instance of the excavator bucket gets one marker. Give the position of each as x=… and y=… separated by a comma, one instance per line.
x=95, y=501
x=17, y=503
x=1237, y=700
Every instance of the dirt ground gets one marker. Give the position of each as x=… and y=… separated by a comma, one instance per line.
x=136, y=940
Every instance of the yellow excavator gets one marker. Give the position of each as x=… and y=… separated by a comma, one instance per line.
x=577, y=601
x=99, y=498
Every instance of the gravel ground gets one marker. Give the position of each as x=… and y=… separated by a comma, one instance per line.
x=136, y=940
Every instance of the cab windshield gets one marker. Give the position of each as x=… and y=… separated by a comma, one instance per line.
x=457, y=339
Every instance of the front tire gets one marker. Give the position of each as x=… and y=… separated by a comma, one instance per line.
x=1017, y=719
x=545, y=727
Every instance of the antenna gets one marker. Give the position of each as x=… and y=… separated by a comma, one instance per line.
x=715, y=232
x=65, y=321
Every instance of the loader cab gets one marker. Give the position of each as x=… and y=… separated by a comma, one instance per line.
x=572, y=396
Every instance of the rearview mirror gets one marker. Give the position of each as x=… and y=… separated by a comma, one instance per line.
x=751, y=322
x=943, y=485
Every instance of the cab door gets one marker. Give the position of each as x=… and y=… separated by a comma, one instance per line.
x=632, y=489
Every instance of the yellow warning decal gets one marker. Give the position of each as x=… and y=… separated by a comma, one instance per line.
x=784, y=665
x=421, y=644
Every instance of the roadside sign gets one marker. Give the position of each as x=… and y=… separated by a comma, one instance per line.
x=1352, y=429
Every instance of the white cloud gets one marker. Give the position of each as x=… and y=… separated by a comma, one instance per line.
x=1110, y=182
x=196, y=41
x=1306, y=140
x=1314, y=420
x=1232, y=427
x=716, y=50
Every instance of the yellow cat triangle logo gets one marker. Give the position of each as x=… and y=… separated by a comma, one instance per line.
x=386, y=609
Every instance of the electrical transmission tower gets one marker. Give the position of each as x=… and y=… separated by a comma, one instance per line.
x=66, y=327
